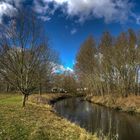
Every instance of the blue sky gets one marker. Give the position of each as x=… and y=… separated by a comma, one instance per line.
x=70, y=22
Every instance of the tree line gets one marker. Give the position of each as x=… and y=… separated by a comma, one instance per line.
x=65, y=81
x=111, y=66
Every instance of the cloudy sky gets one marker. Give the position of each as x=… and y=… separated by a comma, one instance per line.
x=69, y=22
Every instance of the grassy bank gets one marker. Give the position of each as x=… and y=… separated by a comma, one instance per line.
x=48, y=98
x=36, y=121
x=128, y=104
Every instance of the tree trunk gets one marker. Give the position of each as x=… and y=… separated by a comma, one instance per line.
x=7, y=88
x=24, y=100
x=40, y=89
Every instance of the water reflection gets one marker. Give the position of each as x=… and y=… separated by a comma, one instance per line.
x=105, y=122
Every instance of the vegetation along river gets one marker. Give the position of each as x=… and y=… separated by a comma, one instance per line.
x=109, y=123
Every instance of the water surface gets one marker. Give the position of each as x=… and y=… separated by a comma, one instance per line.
x=104, y=121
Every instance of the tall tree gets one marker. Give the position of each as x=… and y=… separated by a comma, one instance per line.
x=85, y=63
x=111, y=67
x=105, y=48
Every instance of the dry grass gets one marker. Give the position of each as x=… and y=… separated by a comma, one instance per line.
x=46, y=98
x=128, y=104
x=36, y=122
x=6, y=95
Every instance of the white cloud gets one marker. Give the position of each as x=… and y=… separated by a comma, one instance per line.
x=6, y=10
x=9, y=8
x=73, y=31
x=61, y=69
x=138, y=20
x=110, y=10
x=137, y=17
x=40, y=8
x=45, y=18
x=69, y=69
x=17, y=3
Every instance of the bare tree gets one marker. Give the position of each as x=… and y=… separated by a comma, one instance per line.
x=24, y=53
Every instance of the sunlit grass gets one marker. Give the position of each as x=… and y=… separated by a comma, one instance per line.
x=15, y=99
x=35, y=122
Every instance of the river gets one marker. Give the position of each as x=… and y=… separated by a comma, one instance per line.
x=103, y=121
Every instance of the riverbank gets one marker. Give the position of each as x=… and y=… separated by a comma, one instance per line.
x=129, y=104
x=49, y=98
x=37, y=121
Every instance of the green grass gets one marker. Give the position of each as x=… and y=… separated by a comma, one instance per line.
x=14, y=100
x=35, y=122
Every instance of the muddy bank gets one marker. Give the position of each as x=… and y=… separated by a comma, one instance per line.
x=129, y=104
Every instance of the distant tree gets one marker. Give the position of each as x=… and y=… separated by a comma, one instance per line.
x=69, y=82
x=65, y=81
x=46, y=70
